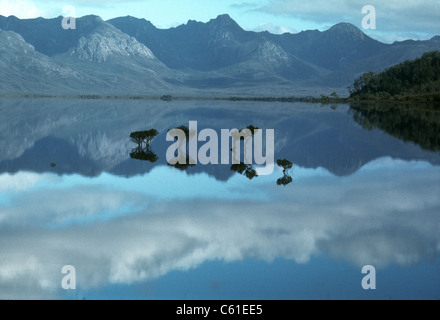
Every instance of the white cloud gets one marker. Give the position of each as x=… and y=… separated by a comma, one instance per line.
x=272, y=28
x=19, y=182
x=22, y=9
x=410, y=16
x=365, y=221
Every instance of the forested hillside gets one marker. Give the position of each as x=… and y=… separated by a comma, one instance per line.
x=417, y=78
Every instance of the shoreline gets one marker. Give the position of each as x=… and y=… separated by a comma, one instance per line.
x=433, y=98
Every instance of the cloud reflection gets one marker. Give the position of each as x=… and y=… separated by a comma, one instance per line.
x=386, y=213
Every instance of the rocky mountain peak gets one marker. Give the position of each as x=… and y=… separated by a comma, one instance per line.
x=106, y=42
x=133, y=20
x=224, y=18
x=91, y=19
x=273, y=54
x=224, y=21
x=14, y=42
x=347, y=30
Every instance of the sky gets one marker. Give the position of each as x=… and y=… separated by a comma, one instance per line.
x=395, y=19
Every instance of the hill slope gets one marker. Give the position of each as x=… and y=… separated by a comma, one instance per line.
x=419, y=76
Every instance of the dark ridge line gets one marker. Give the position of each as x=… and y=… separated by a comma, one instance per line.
x=166, y=98
x=324, y=100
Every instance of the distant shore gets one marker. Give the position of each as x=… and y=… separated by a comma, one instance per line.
x=417, y=98
x=165, y=98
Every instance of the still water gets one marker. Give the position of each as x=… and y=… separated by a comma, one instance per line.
x=363, y=190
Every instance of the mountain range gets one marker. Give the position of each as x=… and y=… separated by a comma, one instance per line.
x=131, y=56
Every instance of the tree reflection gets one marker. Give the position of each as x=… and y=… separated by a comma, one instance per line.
x=144, y=155
x=143, y=151
x=245, y=169
x=420, y=125
x=249, y=171
x=284, y=181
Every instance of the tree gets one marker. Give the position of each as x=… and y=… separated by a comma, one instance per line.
x=287, y=166
x=141, y=137
x=419, y=76
x=151, y=134
x=142, y=152
x=253, y=129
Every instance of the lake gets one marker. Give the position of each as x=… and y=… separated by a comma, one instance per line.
x=75, y=191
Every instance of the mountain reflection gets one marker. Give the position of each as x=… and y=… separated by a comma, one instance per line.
x=183, y=167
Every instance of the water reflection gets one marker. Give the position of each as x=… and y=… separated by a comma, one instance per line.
x=124, y=231
x=245, y=169
x=87, y=138
x=144, y=155
x=76, y=189
x=184, y=160
x=417, y=124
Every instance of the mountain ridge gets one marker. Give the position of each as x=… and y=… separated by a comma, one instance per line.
x=131, y=55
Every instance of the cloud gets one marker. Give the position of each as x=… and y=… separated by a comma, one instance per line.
x=387, y=213
x=19, y=182
x=420, y=16
x=20, y=8
x=272, y=28
x=91, y=3
x=245, y=5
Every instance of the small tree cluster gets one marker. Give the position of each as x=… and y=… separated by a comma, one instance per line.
x=143, y=137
